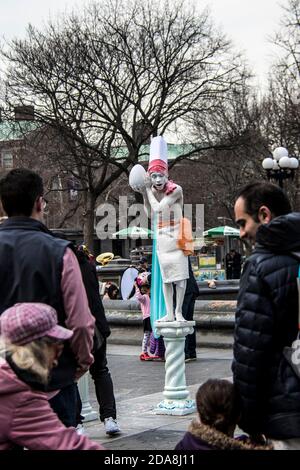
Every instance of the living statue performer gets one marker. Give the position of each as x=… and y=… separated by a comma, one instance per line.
x=164, y=200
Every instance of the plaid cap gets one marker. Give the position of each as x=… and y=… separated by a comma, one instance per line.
x=25, y=322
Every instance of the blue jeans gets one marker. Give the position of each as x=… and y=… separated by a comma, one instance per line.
x=64, y=404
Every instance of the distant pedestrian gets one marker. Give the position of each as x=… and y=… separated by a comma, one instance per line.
x=99, y=369
x=218, y=409
x=236, y=264
x=229, y=266
x=142, y=294
x=111, y=292
x=190, y=296
x=37, y=267
x=143, y=265
x=31, y=344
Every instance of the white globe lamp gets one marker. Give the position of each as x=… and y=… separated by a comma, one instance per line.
x=280, y=152
x=281, y=166
x=268, y=163
x=294, y=163
x=284, y=162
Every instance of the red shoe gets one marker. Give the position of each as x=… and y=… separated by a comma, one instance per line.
x=145, y=357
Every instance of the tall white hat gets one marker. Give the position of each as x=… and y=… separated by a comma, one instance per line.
x=158, y=160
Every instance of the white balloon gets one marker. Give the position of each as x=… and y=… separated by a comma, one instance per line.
x=280, y=152
x=275, y=165
x=284, y=162
x=137, y=177
x=268, y=163
x=127, y=282
x=294, y=163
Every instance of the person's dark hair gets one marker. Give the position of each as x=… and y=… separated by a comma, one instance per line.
x=217, y=404
x=144, y=289
x=263, y=193
x=19, y=190
x=110, y=291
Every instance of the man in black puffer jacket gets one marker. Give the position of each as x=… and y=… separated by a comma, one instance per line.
x=267, y=314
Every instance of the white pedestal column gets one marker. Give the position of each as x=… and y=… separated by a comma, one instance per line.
x=177, y=401
x=87, y=410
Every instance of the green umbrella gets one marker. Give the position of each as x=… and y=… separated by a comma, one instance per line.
x=223, y=231
x=133, y=232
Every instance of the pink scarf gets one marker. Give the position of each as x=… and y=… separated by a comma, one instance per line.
x=169, y=187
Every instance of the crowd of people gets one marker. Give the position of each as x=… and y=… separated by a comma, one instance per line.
x=53, y=330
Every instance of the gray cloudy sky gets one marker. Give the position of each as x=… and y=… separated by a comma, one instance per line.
x=247, y=22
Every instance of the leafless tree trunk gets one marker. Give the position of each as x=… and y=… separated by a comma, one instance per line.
x=106, y=80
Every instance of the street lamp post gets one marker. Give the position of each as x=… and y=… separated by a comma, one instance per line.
x=280, y=166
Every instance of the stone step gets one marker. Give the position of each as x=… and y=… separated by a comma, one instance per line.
x=207, y=306
x=133, y=335
x=213, y=314
x=214, y=322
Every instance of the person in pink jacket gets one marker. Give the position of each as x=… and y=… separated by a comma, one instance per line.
x=31, y=342
x=142, y=294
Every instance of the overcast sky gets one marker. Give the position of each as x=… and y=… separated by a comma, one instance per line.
x=247, y=22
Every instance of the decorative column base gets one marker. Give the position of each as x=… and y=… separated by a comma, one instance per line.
x=175, y=407
x=87, y=411
x=177, y=401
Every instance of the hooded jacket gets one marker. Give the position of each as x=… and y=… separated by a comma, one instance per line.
x=266, y=322
x=203, y=437
x=27, y=420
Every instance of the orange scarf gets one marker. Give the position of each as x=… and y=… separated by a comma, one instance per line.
x=185, y=238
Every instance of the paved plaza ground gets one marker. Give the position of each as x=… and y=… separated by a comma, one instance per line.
x=138, y=389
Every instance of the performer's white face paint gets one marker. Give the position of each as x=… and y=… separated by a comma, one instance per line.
x=159, y=180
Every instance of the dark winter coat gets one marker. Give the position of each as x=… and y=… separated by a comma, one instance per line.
x=192, y=289
x=266, y=322
x=91, y=284
x=202, y=437
x=31, y=262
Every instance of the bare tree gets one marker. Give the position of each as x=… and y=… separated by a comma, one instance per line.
x=109, y=78
x=281, y=105
x=234, y=125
